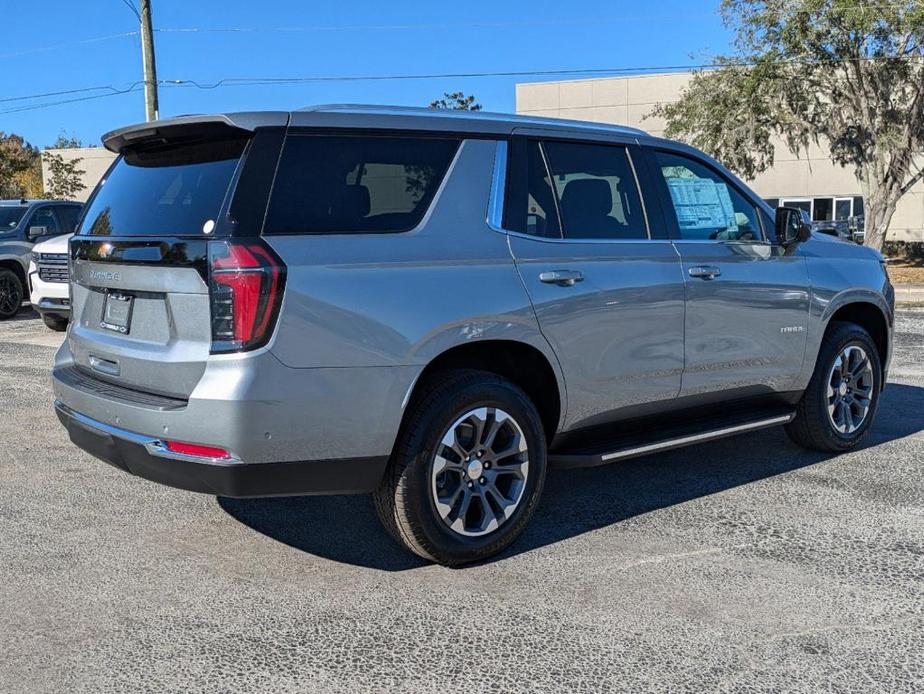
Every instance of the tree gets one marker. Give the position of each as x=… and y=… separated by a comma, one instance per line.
x=847, y=75
x=18, y=160
x=456, y=101
x=66, y=141
x=65, y=177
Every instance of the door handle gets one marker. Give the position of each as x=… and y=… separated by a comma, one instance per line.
x=706, y=272
x=563, y=278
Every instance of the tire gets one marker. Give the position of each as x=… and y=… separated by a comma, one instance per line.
x=457, y=406
x=56, y=323
x=815, y=426
x=11, y=293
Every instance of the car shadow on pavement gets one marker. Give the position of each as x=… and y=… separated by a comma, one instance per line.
x=346, y=528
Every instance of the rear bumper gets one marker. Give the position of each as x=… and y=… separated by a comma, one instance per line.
x=141, y=456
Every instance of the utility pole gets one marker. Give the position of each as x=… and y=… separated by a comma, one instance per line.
x=147, y=60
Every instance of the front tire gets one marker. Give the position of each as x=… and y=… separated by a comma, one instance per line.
x=467, y=471
x=839, y=405
x=10, y=294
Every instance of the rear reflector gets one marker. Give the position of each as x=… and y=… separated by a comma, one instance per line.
x=196, y=450
x=246, y=282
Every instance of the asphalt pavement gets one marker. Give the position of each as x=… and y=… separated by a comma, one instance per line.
x=746, y=564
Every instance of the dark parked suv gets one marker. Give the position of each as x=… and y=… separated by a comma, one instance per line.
x=435, y=306
x=22, y=223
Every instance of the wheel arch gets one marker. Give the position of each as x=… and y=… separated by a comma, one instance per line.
x=521, y=362
x=869, y=315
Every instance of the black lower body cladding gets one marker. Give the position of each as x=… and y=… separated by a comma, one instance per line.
x=242, y=480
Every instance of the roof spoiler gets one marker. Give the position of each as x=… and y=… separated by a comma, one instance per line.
x=191, y=127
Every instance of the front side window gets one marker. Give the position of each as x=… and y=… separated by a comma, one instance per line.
x=597, y=191
x=45, y=217
x=356, y=184
x=707, y=205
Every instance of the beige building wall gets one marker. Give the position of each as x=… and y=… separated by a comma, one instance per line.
x=630, y=100
x=94, y=162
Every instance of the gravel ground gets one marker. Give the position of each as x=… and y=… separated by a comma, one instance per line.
x=742, y=565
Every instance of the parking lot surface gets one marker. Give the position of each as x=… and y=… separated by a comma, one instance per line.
x=746, y=564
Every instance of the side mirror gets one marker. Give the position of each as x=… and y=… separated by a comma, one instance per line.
x=35, y=232
x=792, y=225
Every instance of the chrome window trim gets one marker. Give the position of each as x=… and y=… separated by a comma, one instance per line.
x=497, y=198
x=547, y=239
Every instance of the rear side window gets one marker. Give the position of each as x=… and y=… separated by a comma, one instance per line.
x=170, y=190
x=530, y=201
x=356, y=184
x=597, y=191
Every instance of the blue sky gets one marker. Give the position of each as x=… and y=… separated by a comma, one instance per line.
x=51, y=45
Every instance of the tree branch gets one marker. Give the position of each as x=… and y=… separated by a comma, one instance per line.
x=913, y=181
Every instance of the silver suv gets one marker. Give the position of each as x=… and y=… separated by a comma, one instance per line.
x=436, y=306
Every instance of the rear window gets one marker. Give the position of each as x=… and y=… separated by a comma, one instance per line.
x=172, y=190
x=356, y=184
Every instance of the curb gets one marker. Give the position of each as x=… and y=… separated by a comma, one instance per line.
x=909, y=293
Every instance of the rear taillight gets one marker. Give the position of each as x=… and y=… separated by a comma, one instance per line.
x=246, y=281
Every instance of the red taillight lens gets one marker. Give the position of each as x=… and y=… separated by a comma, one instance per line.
x=196, y=450
x=246, y=286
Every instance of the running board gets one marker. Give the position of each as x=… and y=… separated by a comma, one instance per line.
x=621, y=450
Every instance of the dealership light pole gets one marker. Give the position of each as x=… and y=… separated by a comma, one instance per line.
x=147, y=60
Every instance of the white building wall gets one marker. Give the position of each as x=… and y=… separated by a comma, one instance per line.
x=630, y=100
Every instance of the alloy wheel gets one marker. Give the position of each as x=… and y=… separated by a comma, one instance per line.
x=850, y=389
x=479, y=471
x=8, y=295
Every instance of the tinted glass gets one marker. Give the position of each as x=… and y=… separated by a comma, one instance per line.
x=45, y=217
x=355, y=184
x=597, y=191
x=166, y=191
x=706, y=204
x=67, y=216
x=530, y=199
x=9, y=218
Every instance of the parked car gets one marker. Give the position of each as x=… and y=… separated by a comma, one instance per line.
x=434, y=307
x=48, y=281
x=22, y=223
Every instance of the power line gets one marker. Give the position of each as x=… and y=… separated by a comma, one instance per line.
x=130, y=5
x=257, y=81
x=68, y=44
x=33, y=107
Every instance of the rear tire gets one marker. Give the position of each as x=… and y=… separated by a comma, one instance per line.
x=839, y=405
x=56, y=323
x=467, y=470
x=10, y=294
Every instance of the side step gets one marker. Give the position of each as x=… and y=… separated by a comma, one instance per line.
x=629, y=445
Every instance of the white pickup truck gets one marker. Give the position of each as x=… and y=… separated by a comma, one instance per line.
x=48, y=281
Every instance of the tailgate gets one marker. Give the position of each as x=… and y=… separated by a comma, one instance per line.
x=141, y=316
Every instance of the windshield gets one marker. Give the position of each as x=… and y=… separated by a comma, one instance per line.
x=9, y=218
x=169, y=190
